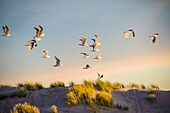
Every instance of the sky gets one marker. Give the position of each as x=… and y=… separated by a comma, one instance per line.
x=136, y=60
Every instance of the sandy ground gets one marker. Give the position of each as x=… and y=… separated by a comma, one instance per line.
x=45, y=98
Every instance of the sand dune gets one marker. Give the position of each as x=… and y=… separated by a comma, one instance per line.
x=45, y=98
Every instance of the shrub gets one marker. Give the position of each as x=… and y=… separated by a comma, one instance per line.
x=25, y=108
x=31, y=86
x=57, y=84
x=104, y=99
x=104, y=86
x=88, y=83
x=71, y=83
x=117, y=85
x=2, y=96
x=71, y=98
x=133, y=85
x=54, y=109
x=143, y=86
x=154, y=87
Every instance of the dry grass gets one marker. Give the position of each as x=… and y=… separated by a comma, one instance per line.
x=24, y=108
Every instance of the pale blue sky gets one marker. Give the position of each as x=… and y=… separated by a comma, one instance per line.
x=136, y=60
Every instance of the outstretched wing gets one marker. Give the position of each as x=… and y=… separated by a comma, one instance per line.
x=98, y=75
x=40, y=30
x=153, y=39
x=37, y=32
x=57, y=60
x=7, y=29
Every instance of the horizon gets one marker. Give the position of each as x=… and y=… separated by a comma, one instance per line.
x=136, y=60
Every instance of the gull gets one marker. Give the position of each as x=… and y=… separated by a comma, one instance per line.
x=98, y=56
x=31, y=44
x=95, y=47
x=96, y=40
x=46, y=54
x=83, y=39
x=153, y=37
x=99, y=76
x=39, y=31
x=6, y=31
x=58, y=62
x=87, y=67
x=86, y=55
x=130, y=31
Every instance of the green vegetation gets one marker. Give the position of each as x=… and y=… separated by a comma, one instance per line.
x=54, y=109
x=24, y=108
x=2, y=96
x=57, y=84
x=104, y=99
x=86, y=94
x=4, y=85
x=31, y=86
x=71, y=83
x=104, y=86
x=133, y=85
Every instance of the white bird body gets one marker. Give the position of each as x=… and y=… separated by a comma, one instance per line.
x=46, y=54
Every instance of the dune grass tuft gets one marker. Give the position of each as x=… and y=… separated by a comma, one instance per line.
x=57, y=84
x=104, y=99
x=25, y=108
x=54, y=109
x=31, y=86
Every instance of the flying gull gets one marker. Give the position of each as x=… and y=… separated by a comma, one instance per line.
x=30, y=44
x=127, y=33
x=153, y=37
x=86, y=55
x=83, y=39
x=95, y=47
x=99, y=76
x=98, y=56
x=87, y=67
x=58, y=62
x=46, y=54
x=6, y=31
x=96, y=40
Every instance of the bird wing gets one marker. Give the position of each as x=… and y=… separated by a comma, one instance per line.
x=133, y=33
x=83, y=40
x=7, y=29
x=98, y=75
x=94, y=40
x=153, y=39
x=40, y=30
x=37, y=32
x=57, y=60
x=97, y=39
x=4, y=29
